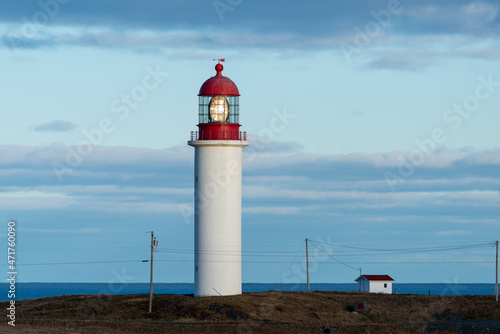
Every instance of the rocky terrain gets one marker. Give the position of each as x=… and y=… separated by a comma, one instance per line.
x=257, y=312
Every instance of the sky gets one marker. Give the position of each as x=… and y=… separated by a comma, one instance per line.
x=373, y=130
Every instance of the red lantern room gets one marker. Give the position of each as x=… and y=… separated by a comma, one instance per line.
x=219, y=111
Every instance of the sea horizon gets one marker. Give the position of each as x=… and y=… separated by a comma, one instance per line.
x=32, y=290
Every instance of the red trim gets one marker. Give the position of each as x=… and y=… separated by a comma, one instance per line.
x=377, y=277
x=219, y=131
x=194, y=136
x=219, y=85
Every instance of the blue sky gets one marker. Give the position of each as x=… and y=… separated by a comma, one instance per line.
x=372, y=124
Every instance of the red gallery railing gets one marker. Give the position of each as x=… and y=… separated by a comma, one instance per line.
x=208, y=135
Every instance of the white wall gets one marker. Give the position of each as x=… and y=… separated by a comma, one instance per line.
x=217, y=217
x=374, y=286
x=378, y=287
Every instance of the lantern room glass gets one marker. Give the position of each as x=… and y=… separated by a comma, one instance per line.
x=219, y=109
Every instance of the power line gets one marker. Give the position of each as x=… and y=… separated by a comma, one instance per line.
x=65, y=263
x=76, y=249
x=408, y=250
x=345, y=264
x=267, y=255
x=190, y=250
x=356, y=252
x=393, y=249
x=288, y=269
x=263, y=262
x=229, y=253
x=77, y=234
x=351, y=251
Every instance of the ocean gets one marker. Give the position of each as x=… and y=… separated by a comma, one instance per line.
x=38, y=290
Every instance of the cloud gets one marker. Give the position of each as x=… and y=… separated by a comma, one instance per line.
x=399, y=61
x=465, y=17
x=66, y=231
x=357, y=113
x=462, y=186
x=474, y=18
x=452, y=233
x=271, y=210
x=286, y=197
x=256, y=24
x=55, y=126
x=481, y=10
x=263, y=145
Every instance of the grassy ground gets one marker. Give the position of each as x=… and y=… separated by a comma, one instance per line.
x=257, y=312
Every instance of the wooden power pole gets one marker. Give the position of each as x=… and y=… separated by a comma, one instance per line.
x=307, y=265
x=153, y=243
x=496, y=272
x=359, y=284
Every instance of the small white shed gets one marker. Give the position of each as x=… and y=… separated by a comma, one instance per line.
x=375, y=283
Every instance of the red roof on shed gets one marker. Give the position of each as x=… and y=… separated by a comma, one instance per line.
x=376, y=277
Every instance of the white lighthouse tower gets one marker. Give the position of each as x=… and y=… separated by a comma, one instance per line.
x=218, y=147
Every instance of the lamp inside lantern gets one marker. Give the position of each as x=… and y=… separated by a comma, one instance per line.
x=219, y=108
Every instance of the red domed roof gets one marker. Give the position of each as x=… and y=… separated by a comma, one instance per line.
x=219, y=85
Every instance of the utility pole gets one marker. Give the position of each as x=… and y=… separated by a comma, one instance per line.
x=153, y=243
x=359, y=285
x=307, y=265
x=496, y=272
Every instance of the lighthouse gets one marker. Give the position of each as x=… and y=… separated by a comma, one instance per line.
x=218, y=147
